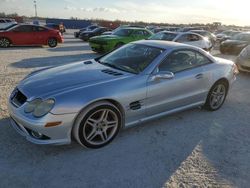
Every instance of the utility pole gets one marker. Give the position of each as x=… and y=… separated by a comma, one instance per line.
x=35, y=9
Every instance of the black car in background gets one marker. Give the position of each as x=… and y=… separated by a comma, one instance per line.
x=225, y=35
x=89, y=28
x=236, y=44
x=86, y=35
x=207, y=34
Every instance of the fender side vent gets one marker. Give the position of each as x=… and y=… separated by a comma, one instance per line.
x=135, y=105
x=111, y=72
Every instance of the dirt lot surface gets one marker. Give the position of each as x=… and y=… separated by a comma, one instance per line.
x=194, y=148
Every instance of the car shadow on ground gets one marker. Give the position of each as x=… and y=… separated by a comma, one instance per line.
x=227, y=145
x=52, y=61
x=22, y=48
x=65, y=48
x=142, y=156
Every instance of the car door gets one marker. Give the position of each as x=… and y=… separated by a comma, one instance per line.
x=23, y=35
x=40, y=34
x=188, y=86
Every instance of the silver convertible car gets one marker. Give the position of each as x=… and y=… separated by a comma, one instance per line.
x=91, y=101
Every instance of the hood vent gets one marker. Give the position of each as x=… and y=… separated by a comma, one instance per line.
x=135, y=105
x=87, y=62
x=111, y=72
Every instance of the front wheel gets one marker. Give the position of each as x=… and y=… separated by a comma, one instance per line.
x=98, y=125
x=4, y=42
x=216, y=96
x=52, y=42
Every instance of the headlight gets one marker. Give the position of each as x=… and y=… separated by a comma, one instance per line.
x=39, y=107
x=30, y=107
x=43, y=108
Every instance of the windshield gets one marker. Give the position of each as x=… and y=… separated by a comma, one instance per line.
x=163, y=36
x=132, y=58
x=123, y=32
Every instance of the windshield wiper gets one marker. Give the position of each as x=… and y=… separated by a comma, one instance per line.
x=116, y=67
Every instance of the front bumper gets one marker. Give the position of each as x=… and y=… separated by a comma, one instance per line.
x=100, y=47
x=25, y=123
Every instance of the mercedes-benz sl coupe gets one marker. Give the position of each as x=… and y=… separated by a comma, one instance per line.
x=91, y=101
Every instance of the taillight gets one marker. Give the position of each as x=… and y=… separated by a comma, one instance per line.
x=235, y=69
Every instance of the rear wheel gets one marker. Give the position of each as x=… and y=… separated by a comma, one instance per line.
x=52, y=42
x=216, y=96
x=98, y=125
x=4, y=42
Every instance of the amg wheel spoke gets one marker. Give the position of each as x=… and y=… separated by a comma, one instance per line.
x=92, y=135
x=91, y=122
x=104, y=135
x=111, y=124
x=104, y=115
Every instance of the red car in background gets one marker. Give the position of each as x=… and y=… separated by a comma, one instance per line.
x=26, y=34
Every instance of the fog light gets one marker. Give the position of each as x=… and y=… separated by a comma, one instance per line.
x=36, y=134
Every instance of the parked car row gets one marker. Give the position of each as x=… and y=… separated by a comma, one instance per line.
x=101, y=39
x=28, y=34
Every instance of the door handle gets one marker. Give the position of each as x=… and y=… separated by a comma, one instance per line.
x=199, y=76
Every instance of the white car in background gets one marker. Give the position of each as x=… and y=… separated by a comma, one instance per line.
x=5, y=22
x=189, y=38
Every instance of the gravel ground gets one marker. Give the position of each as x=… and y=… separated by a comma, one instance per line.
x=194, y=148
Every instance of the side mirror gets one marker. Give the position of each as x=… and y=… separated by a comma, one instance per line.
x=163, y=75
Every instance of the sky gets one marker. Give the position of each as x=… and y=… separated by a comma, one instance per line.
x=167, y=11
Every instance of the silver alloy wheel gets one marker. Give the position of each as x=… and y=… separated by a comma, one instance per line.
x=100, y=126
x=217, y=96
x=4, y=42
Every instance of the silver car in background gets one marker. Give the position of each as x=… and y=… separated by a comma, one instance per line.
x=93, y=100
x=243, y=60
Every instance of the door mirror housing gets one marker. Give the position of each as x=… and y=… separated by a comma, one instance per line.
x=163, y=75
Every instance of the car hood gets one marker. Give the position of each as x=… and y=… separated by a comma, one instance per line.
x=52, y=81
x=107, y=37
x=234, y=42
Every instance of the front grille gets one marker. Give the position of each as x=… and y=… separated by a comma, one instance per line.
x=18, y=98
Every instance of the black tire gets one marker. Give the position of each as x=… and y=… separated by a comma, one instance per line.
x=118, y=45
x=81, y=129
x=52, y=42
x=4, y=42
x=211, y=95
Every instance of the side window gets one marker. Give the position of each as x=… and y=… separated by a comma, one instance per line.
x=201, y=60
x=182, y=38
x=178, y=61
x=40, y=29
x=24, y=28
x=138, y=33
x=145, y=33
x=193, y=38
